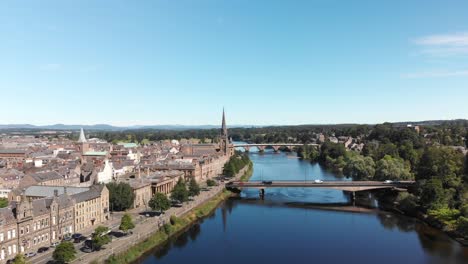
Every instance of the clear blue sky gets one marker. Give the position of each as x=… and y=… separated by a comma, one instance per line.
x=265, y=61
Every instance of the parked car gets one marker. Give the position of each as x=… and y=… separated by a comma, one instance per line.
x=86, y=249
x=30, y=254
x=42, y=249
x=318, y=181
x=54, y=244
x=388, y=181
x=77, y=238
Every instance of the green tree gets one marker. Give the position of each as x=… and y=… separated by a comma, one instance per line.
x=194, y=188
x=3, y=202
x=462, y=226
x=390, y=168
x=126, y=223
x=121, y=196
x=159, y=202
x=19, y=259
x=180, y=192
x=100, y=237
x=433, y=196
x=210, y=182
x=64, y=252
x=441, y=162
x=359, y=167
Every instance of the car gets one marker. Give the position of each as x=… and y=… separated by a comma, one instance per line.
x=75, y=236
x=86, y=249
x=54, y=244
x=388, y=181
x=318, y=181
x=267, y=182
x=30, y=254
x=42, y=249
x=67, y=238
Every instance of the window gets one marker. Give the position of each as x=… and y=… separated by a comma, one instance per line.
x=8, y=234
x=53, y=220
x=1, y=237
x=9, y=250
x=14, y=249
x=13, y=233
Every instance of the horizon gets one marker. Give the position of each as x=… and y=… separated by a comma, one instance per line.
x=213, y=126
x=268, y=62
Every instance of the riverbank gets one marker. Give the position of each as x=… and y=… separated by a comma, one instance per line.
x=176, y=225
x=434, y=223
x=173, y=228
x=246, y=172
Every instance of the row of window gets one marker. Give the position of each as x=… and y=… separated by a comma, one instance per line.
x=11, y=251
x=10, y=234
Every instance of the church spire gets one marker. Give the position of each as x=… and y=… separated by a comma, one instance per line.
x=223, y=126
x=82, y=138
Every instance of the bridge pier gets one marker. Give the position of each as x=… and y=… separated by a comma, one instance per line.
x=261, y=193
x=261, y=148
x=247, y=148
x=276, y=148
x=352, y=198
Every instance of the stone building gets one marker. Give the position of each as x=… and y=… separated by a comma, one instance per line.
x=32, y=222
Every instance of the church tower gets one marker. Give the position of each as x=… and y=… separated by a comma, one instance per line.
x=83, y=144
x=224, y=138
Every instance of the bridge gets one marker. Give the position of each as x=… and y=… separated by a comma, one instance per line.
x=275, y=146
x=348, y=186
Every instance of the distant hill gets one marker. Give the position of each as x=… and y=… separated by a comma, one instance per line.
x=105, y=127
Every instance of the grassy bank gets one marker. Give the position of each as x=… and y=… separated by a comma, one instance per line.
x=175, y=226
x=248, y=173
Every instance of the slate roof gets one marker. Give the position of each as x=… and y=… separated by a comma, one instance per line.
x=46, y=176
x=93, y=193
x=48, y=191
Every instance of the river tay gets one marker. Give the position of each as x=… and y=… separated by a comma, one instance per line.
x=289, y=227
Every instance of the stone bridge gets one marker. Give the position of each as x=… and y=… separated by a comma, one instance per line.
x=275, y=146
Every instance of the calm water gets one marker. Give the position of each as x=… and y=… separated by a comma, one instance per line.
x=280, y=229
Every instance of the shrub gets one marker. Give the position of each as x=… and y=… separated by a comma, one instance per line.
x=210, y=182
x=167, y=229
x=462, y=226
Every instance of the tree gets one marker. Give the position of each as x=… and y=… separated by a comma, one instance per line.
x=390, y=168
x=126, y=223
x=19, y=259
x=64, y=252
x=121, y=196
x=440, y=162
x=100, y=237
x=194, y=189
x=359, y=167
x=180, y=192
x=159, y=202
x=433, y=196
x=3, y=202
x=210, y=182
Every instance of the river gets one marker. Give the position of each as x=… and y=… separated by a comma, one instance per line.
x=290, y=226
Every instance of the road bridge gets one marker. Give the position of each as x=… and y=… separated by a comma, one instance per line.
x=348, y=186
